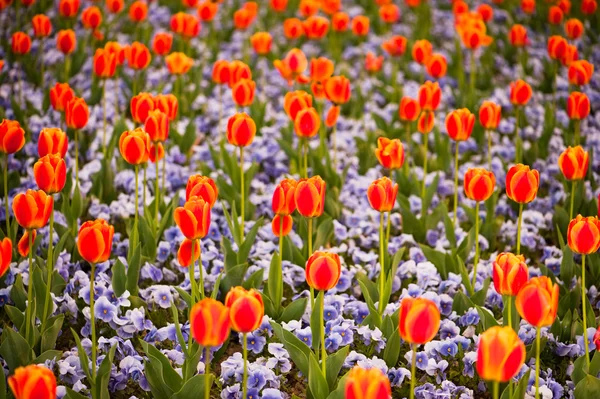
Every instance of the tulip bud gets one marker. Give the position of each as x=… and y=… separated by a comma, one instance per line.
x=323, y=270
x=479, y=184
x=395, y=46
x=293, y=28
x=557, y=46
x=316, y=27
x=238, y=71
x=509, y=273
x=340, y=21
x=518, y=35
x=12, y=136
x=261, y=42
x=138, y=11
x=419, y=320
x=389, y=153
x=555, y=15
x=178, y=63
x=157, y=126
x=115, y=6
x=42, y=27
x=573, y=163
x=193, y=219
x=437, y=65
x=426, y=122
x=578, y=105
x=50, y=173
x=389, y=13
x=66, y=41
x=321, y=69
x=94, y=241
x=168, y=104
x=292, y=66
x=283, y=197
x=367, y=384
x=382, y=194
x=500, y=354
x=243, y=92
x=207, y=10
x=23, y=244
x=332, y=116
x=588, y=7
x=537, y=301
x=307, y=123
x=520, y=92
x=139, y=56
x=522, y=183
x=68, y=8
x=203, y=187
x=459, y=124
x=574, y=28
x=246, y=309
x=373, y=64
x=294, y=101
x=221, y=73
x=580, y=72
x=5, y=255
x=161, y=45
x=486, y=12
x=33, y=382
x=337, y=89
x=421, y=51
x=77, y=113
x=91, y=17
x=32, y=209
x=20, y=43
x=409, y=109
x=134, y=146
x=156, y=152
x=210, y=322
x=570, y=55
x=489, y=115
x=140, y=107
x=360, y=25
x=583, y=235
x=60, y=95
x=241, y=130
x=429, y=96
x=105, y=63
x=309, y=197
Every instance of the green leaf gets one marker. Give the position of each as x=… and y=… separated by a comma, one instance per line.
x=589, y=387
x=294, y=310
x=15, y=350
x=334, y=365
x=119, y=278
x=254, y=280
x=133, y=270
x=192, y=387
x=324, y=233
x=275, y=283
x=83, y=358
x=298, y=350
x=246, y=246
x=172, y=379
x=316, y=380
x=316, y=325
x=50, y=334
x=71, y=394
x=521, y=389
x=18, y=293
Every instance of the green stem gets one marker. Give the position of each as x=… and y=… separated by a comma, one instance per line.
x=306, y=158
x=42, y=66
x=334, y=139
x=201, y=285
x=76, y=157
x=309, y=237
x=29, y=288
x=509, y=305
x=49, y=266
x=6, y=208
x=413, y=370
x=117, y=110
x=387, y=232
x=519, y=229
x=572, y=198
x=137, y=189
x=476, y=260
x=408, y=148
x=394, y=78
x=104, y=116
x=577, y=131
x=517, y=138
x=156, y=191
x=164, y=169
x=381, y=262
x=425, y=144
x=496, y=389
x=221, y=111
x=583, y=300
x=93, y=322
x=537, y=363
x=67, y=68
x=472, y=78
x=245, y=377
x=323, y=350
x=192, y=276
x=489, y=154
x=242, y=194
x=207, y=381
x=456, y=183
x=144, y=185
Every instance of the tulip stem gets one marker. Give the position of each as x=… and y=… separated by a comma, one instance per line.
x=221, y=112
x=381, y=264
x=472, y=79
x=577, y=131
x=164, y=169
x=413, y=370
x=476, y=259
x=333, y=138
x=408, y=147
x=496, y=389
x=93, y=322
x=509, y=310
x=29, y=287
x=76, y=134
x=201, y=285
x=192, y=276
x=312, y=290
x=137, y=189
x=144, y=189
x=517, y=138
x=156, y=191
x=489, y=154
x=104, y=116
x=584, y=310
x=387, y=233
x=456, y=182
x=242, y=194
x=117, y=110
x=519, y=229
x=572, y=198
x=537, y=363
x=67, y=68
x=207, y=373
x=7, y=211
x=245, y=377
x=323, y=350
x=41, y=58
x=306, y=158
x=50, y=268
x=425, y=144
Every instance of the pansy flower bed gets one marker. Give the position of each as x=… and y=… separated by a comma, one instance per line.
x=285, y=199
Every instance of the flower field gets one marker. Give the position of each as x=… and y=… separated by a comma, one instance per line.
x=290, y=199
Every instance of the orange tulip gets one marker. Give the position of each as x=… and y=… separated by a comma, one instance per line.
x=573, y=163
x=337, y=89
x=283, y=197
x=138, y=11
x=77, y=113
x=221, y=72
x=389, y=153
x=140, y=106
x=367, y=384
x=426, y=122
x=580, y=72
x=389, y=13
x=91, y=17
x=281, y=229
x=570, y=55
x=500, y=354
x=437, y=65
x=203, y=187
x=340, y=21
x=60, y=95
x=156, y=152
x=557, y=46
x=66, y=41
x=32, y=209
x=292, y=66
x=479, y=184
x=189, y=3
x=21, y=43
x=134, y=146
x=489, y=115
x=105, y=63
x=395, y=46
x=293, y=28
x=474, y=36
x=509, y=273
x=94, y=240
x=241, y=130
x=279, y=5
x=309, y=197
x=360, y=25
x=246, y=309
x=419, y=320
x=168, y=104
x=323, y=270
x=193, y=219
x=52, y=140
x=157, y=125
x=459, y=124
x=528, y=6
x=50, y=173
x=178, y=63
x=555, y=15
x=588, y=7
x=12, y=136
x=210, y=322
x=5, y=255
x=332, y=116
x=23, y=244
x=421, y=51
x=242, y=19
x=308, y=8
x=243, y=92
x=121, y=52
x=321, y=69
x=294, y=101
x=537, y=301
x=316, y=27
x=429, y=96
x=486, y=12
x=42, y=27
x=574, y=28
x=409, y=109
x=583, y=235
x=68, y=8
x=184, y=253
x=330, y=7
x=518, y=35
x=161, y=45
x=207, y=10
x=115, y=6
x=139, y=56
x=520, y=92
x=307, y=123
x=522, y=183
x=33, y=382
x=578, y=105
x=238, y=71
x=382, y=194
x=185, y=25
x=261, y=42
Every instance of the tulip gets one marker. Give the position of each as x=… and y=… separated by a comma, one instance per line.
x=283, y=202
x=42, y=27
x=520, y=93
x=555, y=15
x=321, y=69
x=243, y=92
x=261, y=42
x=278, y=5
x=500, y=355
x=389, y=13
x=373, y=63
x=437, y=65
x=518, y=36
x=20, y=43
x=185, y=251
x=332, y=116
x=309, y=197
x=33, y=382
x=66, y=42
x=105, y=65
x=238, y=71
x=509, y=273
x=203, y=187
x=306, y=125
x=580, y=72
x=292, y=66
x=161, y=45
x=459, y=126
x=340, y=21
x=293, y=28
x=12, y=139
x=419, y=322
x=138, y=11
x=589, y=7
x=337, y=89
x=207, y=10
x=408, y=112
x=5, y=255
x=429, y=96
x=60, y=95
x=360, y=25
x=167, y=103
x=395, y=46
x=134, y=146
x=91, y=17
x=115, y=6
x=574, y=28
x=316, y=27
x=50, y=173
x=157, y=125
x=193, y=218
x=281, y=227
x=486, y=12
x=421, y=51
x=521, y=186
x=246, y=311
x=295, y=101
x=242, y=19
x=578, y=108
x=308, y=8
x=573, y=163
x=367, y=384
x=210, y=326
x=389, y=153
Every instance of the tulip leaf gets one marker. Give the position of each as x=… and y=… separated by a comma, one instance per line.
x=437, y=258
x=589, y=387
x=50, y=334
x=216, y=286
x=430, y=191
x=83, y=358
x=172, y=379
x=15, y=350
x=316, y=325
x=192, y=387
x=133, y=270
x=392, y=349
x=18, y=293
x=466, y=245
x=340, y=390
x=294, y=310
x=3, y=389
x=298, y=350
x=254, y=280
x=521, y=389
x=275, y=283
x=71, y=394
x=244, y=250
x=47, y=355
x=185, y=296
x=478, y=298
x=119, y=278
x=335, y=363
x=316, y=380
